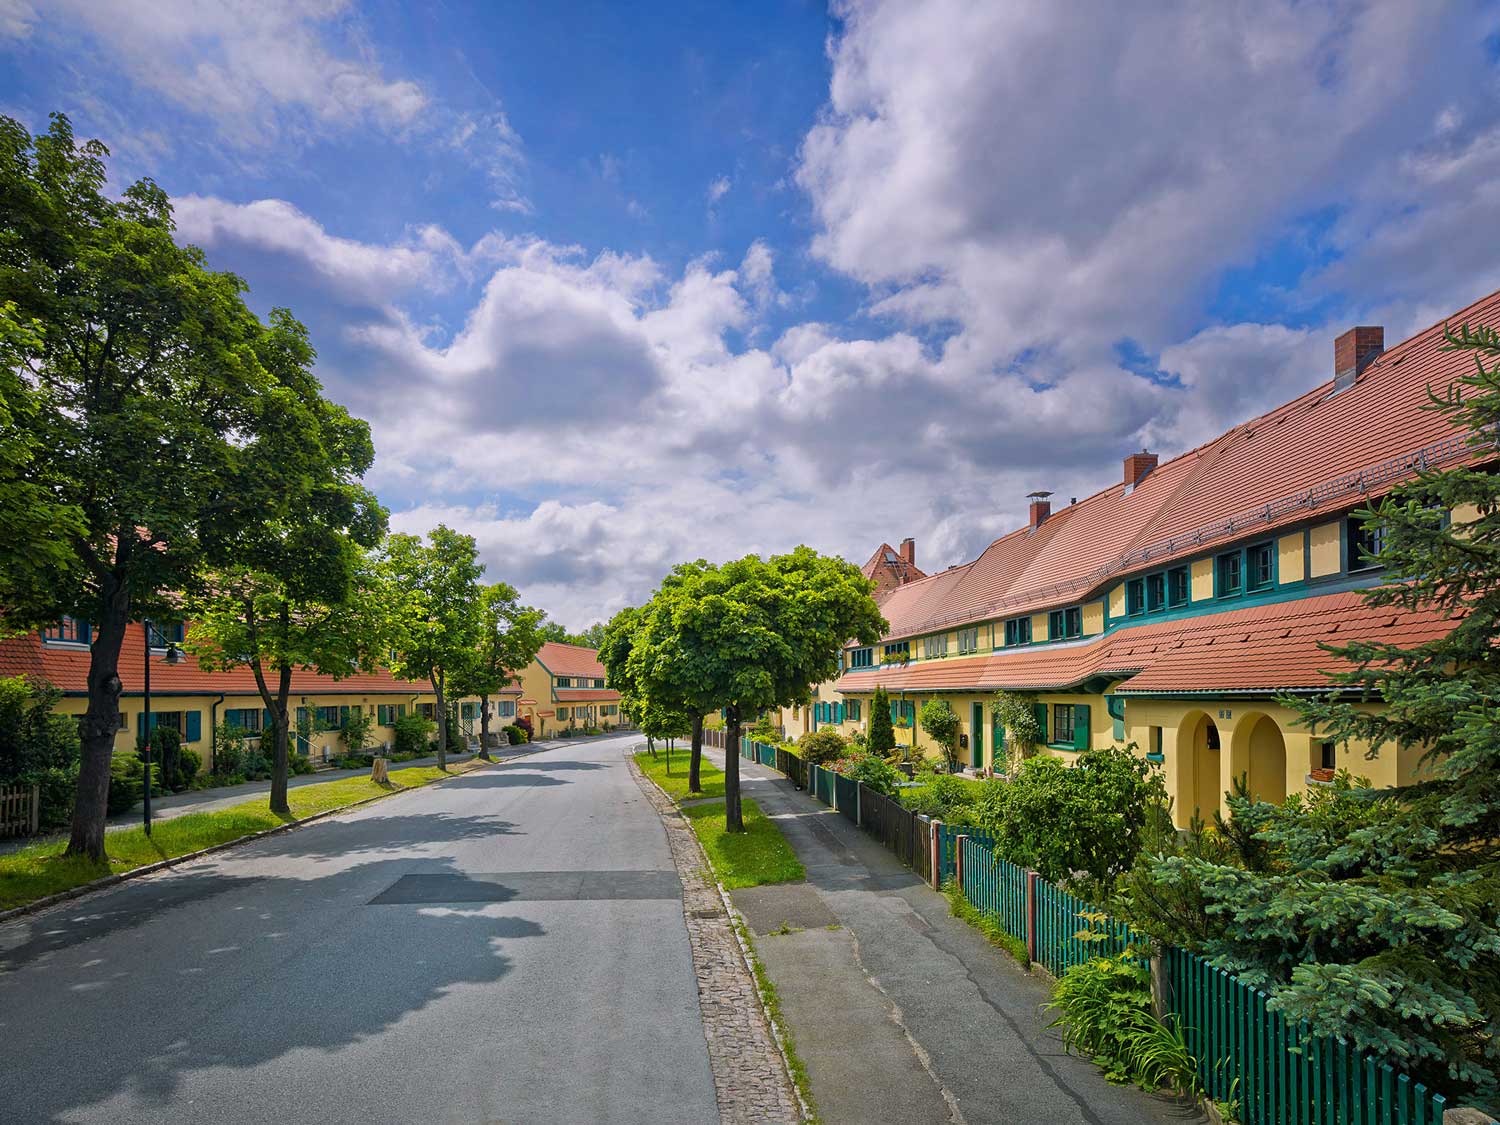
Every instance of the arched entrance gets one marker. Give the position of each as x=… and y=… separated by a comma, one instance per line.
x=1198, y=784
x=1260, y=755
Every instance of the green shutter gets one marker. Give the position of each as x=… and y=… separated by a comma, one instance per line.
x=1041, y=719
x=194, y=726
x=265, y=718
x=1080, y=726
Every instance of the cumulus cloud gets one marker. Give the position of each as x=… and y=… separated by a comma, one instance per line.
x=718, y=190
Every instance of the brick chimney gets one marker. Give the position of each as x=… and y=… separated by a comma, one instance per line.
x=909, y=551
x=1041, y=508
x=1353, y=352
x=1137, y=465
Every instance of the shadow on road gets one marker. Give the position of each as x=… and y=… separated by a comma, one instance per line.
x=224, y=973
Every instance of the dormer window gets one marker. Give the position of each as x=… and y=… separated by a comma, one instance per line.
x=564, y=681
x=862, y=657
x=68, y=631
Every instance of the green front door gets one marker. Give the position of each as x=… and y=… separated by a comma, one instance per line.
x=976, y=736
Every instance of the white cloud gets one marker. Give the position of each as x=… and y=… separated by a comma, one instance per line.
x=16, y=18
x=718, y=190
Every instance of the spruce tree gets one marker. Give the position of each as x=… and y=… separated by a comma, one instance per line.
x=1373, y=915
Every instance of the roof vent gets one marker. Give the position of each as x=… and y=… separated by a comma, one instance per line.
x=1355, y=350
x=1041, y=508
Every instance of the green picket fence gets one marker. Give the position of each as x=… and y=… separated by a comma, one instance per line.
x=948, y=835
x=822, y=784
x=765, y=755
x=1065, y=936
x=1280, y=1073
x=995, y=886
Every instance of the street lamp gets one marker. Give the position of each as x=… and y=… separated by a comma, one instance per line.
x=173, y=656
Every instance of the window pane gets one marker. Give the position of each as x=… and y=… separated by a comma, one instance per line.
x=1177, y=586
x=1229, y=574
x=1262, y=562
x=1135, y=596
x=1156, y=592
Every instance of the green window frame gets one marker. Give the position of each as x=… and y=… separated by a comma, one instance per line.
x=1065, y=624
x=1062, y=724
x=1156, y=592
x=862, y=657
x=1018, y=631
x=1040, y=711
x=564, y=681
x=898, y=650
x=1363, y=541
x=1229, y=574
x=251, y=720
x=1135, y=597
x=1179, y=587
x=1115, y=704
x=854, y=710
x=1260, y=566
x=562, y=713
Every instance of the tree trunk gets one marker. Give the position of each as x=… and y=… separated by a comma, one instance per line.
x=281, y=752
x=100, y=724
x=733, y=822
x=484, y=727
x=442, y=721
x=695, y=785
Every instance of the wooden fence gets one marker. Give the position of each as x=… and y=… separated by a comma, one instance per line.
x=20, y=808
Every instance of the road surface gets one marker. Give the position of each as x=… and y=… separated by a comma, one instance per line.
x=507, y=946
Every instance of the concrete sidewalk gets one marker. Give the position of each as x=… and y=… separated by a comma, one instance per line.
x=899, y=1010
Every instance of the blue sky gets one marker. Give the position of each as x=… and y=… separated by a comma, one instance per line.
x=620, y=286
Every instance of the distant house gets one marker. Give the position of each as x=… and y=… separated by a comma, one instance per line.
x=564, y=689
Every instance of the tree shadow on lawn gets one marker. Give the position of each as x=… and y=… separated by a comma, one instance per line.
x=159, y=980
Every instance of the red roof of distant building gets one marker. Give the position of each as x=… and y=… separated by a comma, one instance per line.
x=571, y=660
x=66, y=666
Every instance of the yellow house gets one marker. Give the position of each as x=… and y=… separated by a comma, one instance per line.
x=196, y=702
x=563, y=689
x=1174, y=609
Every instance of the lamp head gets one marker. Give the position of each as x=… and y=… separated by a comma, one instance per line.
x=174, y=655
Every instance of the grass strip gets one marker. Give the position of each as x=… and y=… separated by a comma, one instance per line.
x=771, y=1001
x=42, y=869
x=987, y=924
x=758, y=855
x=675, y=783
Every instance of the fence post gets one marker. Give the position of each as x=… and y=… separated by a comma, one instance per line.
x=859, y=804
x=1160, y=983
x=934, y=844
x=1031, y=915
x=36, y=807
x=958, y=859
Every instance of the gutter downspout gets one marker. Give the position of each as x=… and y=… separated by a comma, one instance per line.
x=213, y=733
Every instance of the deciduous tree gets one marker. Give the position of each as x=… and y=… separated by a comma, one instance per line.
x=509, y=637
x=432, y=595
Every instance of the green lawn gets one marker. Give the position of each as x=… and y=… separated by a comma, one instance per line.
x=676, y=783
x=42, y=869
x=758, y=855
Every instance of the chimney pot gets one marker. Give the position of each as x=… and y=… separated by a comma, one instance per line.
x=1354, y=351
x=909, y=551
x=1041, y=508
x=1137, y=465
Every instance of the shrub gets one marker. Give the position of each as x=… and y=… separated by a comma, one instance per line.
x=1104, y=1009
x=299, y=764
x=872, y=770
x=516, y=734
x=38, y=746
x=822, y=746
x=1017, y=714
x=255, y=766
x=592, y=730
x=355, y=730
x=166, y=747
x=764, y=730
x=945, y=798
x=524, y=722
x=411, y=734
x=189, y=762
x=229, y=750
x=126, y=781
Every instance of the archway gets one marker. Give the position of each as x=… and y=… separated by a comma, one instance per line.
x=1198, y=784
x=1260, y=753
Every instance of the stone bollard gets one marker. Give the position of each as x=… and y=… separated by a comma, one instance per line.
x=380, y=771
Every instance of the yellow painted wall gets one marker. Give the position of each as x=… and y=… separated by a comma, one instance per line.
x=1038, y=627
x=1093, y=618
x=1291, y=558
x=1117, y=601
x=1203, y=580
x=1323, y=549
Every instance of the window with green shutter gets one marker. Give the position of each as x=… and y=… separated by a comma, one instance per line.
x=1229, y=577
x=1179, y=586
x=1041, y=720
x=1116, y=707
x=193, y=731
x=1062, y=724
x=1135, y=596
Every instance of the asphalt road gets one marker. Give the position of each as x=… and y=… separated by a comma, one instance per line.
x=507, y=946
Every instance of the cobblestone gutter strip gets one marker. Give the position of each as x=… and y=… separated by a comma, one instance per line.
x=750, y=1075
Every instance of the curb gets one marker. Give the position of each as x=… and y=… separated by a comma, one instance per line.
x=736, y=920
x=109, y=881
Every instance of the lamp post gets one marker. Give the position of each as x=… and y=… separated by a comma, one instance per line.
x=173, y=656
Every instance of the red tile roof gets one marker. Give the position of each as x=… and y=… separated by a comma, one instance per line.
x=587, y=695
x=889, y=569
x=67, y=667
x=1261, y=648
x=1322, y=452
x=571, y=660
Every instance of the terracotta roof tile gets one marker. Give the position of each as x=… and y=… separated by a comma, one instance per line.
x=571, y=660
x=1322, y=452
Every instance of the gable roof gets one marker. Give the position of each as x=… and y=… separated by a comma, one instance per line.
x=889, y=569
x=570, y=660
x=1321, y=452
